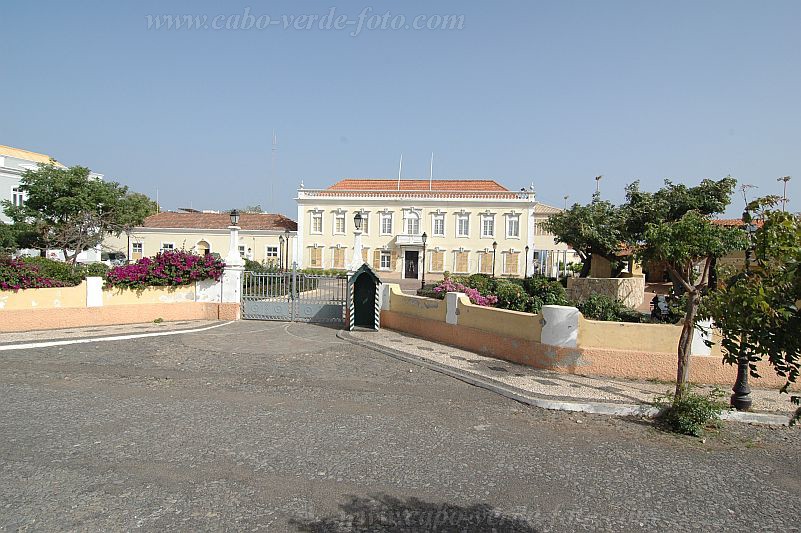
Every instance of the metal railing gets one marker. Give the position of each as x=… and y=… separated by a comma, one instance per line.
x=293, y=296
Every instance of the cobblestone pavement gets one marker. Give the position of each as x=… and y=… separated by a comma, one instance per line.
x=550, y=384
x=277, y=427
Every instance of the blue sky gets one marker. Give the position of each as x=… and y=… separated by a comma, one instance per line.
x=550, y=92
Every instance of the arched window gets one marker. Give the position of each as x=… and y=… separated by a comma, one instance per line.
x=203, y=248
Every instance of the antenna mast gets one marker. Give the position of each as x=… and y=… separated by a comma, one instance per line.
x=744, y=188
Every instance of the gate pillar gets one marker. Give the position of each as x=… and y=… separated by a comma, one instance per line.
x=232, y=284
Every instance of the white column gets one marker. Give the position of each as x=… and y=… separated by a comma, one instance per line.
x=452, y=307
x=233, y=258
x=234, y=266
x=94, y=291
x=702, y=330
x=560, y=326
x=357, y=261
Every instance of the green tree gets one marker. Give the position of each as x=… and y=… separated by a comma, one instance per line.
x=757, y=311
x=672, y=202
x=70, y=211
x=16, y=236
x=8, y=238
x=596, y=228
x=687, y=247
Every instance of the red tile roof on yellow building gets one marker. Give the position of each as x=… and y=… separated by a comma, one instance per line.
x=418, y=185
x=247, y=221
x=409, y=189
x=735, y=222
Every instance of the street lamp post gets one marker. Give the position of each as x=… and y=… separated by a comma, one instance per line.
x=286, y=255
x=233, y=258
x=281, y=253
x=785, y=179
x=598, y=184
x=357, y=261
x=741, y=399
x=494, y=247
x=423, y=282
x=526, y=274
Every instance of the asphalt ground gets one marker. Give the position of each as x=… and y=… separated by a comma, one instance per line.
x=284, y=427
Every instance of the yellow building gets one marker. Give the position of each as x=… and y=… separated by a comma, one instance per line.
x=470, y=226
x=263, y=237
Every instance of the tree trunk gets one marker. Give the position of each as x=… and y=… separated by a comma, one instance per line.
x=586, y=262
x=685, y=342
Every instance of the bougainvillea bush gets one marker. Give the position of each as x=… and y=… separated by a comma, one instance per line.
x=16, y=275
x=170, y=268
x=486, y=300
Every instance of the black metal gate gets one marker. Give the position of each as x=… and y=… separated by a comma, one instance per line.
x=293, y=296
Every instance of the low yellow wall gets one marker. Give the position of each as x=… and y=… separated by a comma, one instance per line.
x=75, y=297
x=43, y=319
x=149, y=295
x=54, y=298
x=500, y=321
x=417, y=306
x=611, y=349
x=659, y=338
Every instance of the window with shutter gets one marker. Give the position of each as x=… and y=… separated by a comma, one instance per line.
x=339, y=258
x=486, y=263
x=437, y=261
x=512, y=261
x=376, y=259
x=460, y=264
x=316, y=257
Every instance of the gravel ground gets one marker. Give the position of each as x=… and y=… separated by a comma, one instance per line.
x=268, y=426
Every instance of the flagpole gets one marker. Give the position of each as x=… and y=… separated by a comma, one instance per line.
x=431, y=174
x=400, y=169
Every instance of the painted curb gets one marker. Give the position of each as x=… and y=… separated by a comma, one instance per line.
x=87, y=340
x=525, y=397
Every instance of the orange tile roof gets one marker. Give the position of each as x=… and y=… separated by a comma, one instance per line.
x=418, y=185
x=247, y=221
x=735, y=222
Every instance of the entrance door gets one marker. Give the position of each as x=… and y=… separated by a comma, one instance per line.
x=364, y=301
x=410, y=262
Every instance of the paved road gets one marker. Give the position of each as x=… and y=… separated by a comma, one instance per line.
x=267, y=426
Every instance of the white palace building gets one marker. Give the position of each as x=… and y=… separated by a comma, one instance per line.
x=468, y=226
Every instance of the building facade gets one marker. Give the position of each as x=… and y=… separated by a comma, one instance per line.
x=15, y=161
x=471, y=226
x=263, y=237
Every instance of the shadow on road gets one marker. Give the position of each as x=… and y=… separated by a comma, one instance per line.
x=384, y=513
